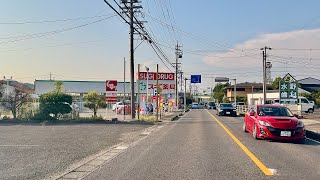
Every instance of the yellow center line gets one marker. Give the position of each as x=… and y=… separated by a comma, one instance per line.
x=262, y=167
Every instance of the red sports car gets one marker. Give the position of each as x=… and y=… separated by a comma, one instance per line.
x=274, y=122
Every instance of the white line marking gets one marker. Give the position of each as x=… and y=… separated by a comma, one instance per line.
x=21, y=145
x=313, y=140
x=273, y=171
x=121, y=147
x=145, y=133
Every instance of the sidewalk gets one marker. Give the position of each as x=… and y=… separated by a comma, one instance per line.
x=312, y=124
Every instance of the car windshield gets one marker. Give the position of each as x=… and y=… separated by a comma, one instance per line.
x=274, y=111
x=226, y=105
x=211, y=103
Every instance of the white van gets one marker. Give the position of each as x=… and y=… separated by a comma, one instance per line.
x=306, y=105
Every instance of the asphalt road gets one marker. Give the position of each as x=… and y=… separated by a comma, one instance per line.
x=37, y=152
x=198, y=147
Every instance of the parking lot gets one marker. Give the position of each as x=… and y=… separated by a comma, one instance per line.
x=35, y=152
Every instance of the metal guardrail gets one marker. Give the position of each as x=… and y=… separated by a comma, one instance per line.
x=294, y=108
x=241, y=109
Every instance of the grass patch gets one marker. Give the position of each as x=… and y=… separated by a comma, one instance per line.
x=148, y=118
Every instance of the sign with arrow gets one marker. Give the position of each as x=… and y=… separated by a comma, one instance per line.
x=111, y=85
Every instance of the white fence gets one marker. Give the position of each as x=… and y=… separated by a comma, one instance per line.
x=294, y=108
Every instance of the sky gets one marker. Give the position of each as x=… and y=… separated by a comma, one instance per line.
x=86, y=40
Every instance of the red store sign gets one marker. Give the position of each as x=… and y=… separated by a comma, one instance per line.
x=152, y=76
x=111, y=85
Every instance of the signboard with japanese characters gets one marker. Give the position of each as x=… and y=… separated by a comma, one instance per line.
x=111, y=91
x=148, y=80
x=288, y=89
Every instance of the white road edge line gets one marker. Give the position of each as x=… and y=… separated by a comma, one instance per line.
x=21, y=145
x=273, y=171
x=313, y=140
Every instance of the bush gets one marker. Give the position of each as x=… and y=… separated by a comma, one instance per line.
x=42, y=117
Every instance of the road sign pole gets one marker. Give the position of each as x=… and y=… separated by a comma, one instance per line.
x=138, y=98
x=157, y=94
x=185, y=95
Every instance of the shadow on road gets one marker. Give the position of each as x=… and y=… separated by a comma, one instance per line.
x=70, y=122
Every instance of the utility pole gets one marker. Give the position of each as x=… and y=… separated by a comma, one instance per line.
x=50, y=76
x=124, y=87
x=138, y=97
x=185, y=95
x=147, y=96
x=131, y=10
x=133, y=109
x=178, y=55
x=264, y=65
x=181, y=81
x=157, y=95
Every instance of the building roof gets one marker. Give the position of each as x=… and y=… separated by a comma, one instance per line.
x=75, y=81
x=309, y=80
x=247, y=85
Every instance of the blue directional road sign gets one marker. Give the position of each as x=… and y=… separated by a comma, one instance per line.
x=195, y=78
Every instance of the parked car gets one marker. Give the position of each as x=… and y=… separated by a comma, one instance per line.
x=211, y=105
x=126, y=109
x=226, y=109
x=118, y=105
x=196, y=106
x=306, y=105
x=274, y=122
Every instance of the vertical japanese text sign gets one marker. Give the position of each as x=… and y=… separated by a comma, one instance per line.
x=288, y=89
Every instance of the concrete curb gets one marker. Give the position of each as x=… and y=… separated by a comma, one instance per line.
x=313, y=135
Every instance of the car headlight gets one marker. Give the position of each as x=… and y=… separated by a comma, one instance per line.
x=300, y=124
x=234, y=110
x=263, y=123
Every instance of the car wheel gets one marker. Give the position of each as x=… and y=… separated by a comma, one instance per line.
x=244, y=127
x=310, y=110
x=254, y=132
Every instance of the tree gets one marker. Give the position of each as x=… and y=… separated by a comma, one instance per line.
x=14, y=101
x=242, y=99
x=275, y=83
x=58, y=86
x=94, y=101
x=218, y=91
x=55, y=103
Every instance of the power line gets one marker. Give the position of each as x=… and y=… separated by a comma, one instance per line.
x=52, y=21
x=37, y=35
x=296, y=49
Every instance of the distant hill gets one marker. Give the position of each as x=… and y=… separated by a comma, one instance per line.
x=26, y=87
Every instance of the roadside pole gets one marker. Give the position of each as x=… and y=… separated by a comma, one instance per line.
x=235, y=92
x=147, y=96
x=157, y=95
x=185, y=95
x=138, y=96
x=124, y=87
